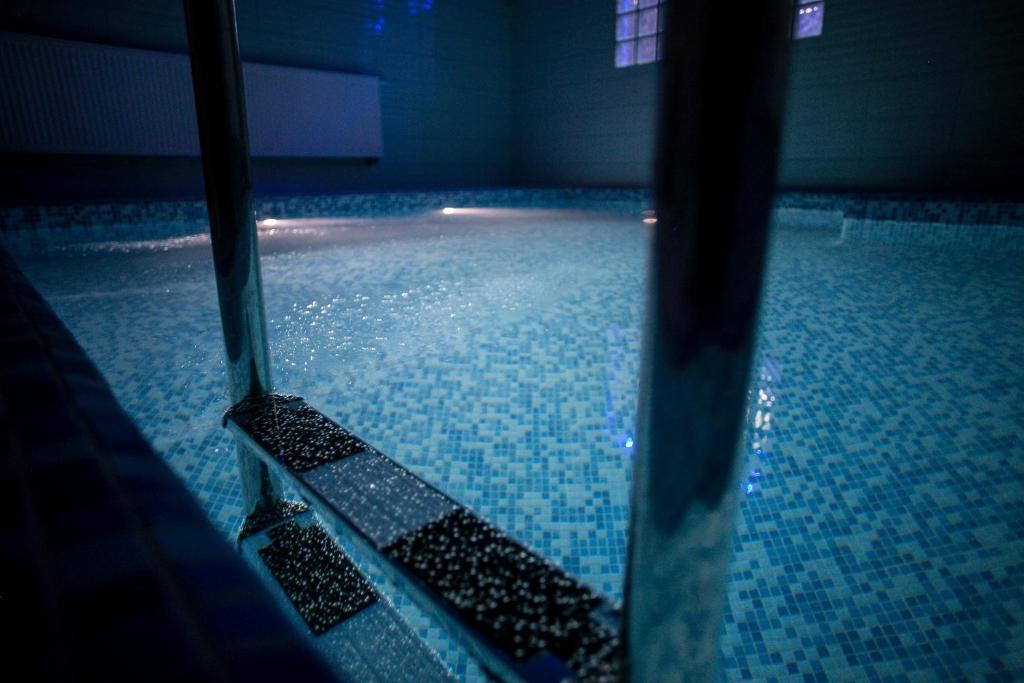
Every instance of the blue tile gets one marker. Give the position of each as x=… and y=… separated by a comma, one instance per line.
x=881, y=525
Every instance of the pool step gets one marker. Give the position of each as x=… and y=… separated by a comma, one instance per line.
x=321, y=581
x=350, y=625
x=523, y=618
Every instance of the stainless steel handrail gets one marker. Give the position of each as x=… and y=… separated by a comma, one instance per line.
x=722, y=90
x=224, y=141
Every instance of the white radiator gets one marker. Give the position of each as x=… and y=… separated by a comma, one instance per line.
x=67, y=97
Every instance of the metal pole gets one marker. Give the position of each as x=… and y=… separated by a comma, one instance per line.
x=224, y=140
x=723, y=80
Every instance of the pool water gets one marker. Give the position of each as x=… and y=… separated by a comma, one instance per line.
x=495, y=353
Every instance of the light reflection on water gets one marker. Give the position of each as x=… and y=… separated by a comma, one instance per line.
x=764, y=400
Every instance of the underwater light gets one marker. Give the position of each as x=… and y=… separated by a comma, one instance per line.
x=447, y=211
x=269, y=222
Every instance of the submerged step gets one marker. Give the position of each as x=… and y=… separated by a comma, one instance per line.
x=349, y=624
x=522, y=617
x=321, y=581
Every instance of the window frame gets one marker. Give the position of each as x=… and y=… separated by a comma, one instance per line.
x=639, y=30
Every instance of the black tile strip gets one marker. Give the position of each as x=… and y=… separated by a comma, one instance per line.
x=525, y=605
x=319, y=579
x=296, y=434
x=258, y=521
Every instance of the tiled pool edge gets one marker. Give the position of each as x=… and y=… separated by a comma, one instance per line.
x=916, y=233
x=1003, y=238
x=192, y=214
x=962, y=224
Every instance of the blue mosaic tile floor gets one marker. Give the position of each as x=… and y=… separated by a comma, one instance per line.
x=880, y=533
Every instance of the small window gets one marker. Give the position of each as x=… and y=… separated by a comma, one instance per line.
x=640, y=26
x=809, y=19
x=638, y=30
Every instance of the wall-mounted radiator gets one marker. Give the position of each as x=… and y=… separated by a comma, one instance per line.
x=68, y=97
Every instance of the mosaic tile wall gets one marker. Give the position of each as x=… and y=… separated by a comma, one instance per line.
x=881, y=532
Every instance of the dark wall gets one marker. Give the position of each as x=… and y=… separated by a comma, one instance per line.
x=921, y=95
x=58, y=178
x=579, y=120
x=909, y=94
x=445, y=69
x=896, y=95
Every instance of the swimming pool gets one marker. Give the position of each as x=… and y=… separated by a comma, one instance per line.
x=495, y=353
